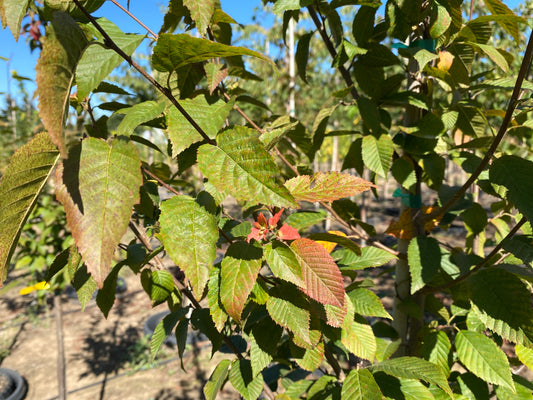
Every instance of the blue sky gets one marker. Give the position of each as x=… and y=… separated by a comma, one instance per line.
x=149, y=11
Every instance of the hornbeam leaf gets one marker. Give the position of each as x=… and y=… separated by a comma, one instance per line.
x=210, y=117
x=20, y=186
x=215, y=73
x=367, y=303
x=326, y=186
x=497, y=7
x=98, y=61
x=414, y=368
x=516, y=174
x=242, y=379
x=360, y=385
x=11, y=14
x=98, y=185
x=484, y=358
x=377, y=153
x=240, y=165
x=137, y=115
x=238, y=273
x=322, y=279
x=424, y=261
x=525, y=355
x=283, y=263
x=501, y=301
x=288, y=309
x=357, y=336
x=370, y=257
x=201, y=12
x=62, y=49
x=213, y=298
x=174, y=51
x=216, y=380
x=189, y=233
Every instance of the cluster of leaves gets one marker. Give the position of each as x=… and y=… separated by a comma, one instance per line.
x=298, y=307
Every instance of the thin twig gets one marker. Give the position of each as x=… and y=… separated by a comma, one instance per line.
x=480, y=265
x=165, y=91
x=160, y=181
x=526, y=62
x=331, y=48
x=135, y=19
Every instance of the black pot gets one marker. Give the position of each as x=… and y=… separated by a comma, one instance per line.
x=13, y=385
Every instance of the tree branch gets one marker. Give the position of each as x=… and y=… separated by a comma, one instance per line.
x=331, y=48
x=135, y=19
x=526, y=63
x=165, y=91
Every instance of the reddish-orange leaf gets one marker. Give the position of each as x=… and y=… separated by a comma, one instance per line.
x=322, y=278
x=287, y=232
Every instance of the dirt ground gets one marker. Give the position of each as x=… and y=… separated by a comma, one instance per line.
x=100, y=354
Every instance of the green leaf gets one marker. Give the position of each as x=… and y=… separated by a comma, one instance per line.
x=238, y=273
x=164, y=328
x=215, y=73
x=302, y=55
x=174, y=51
x=484, y=358
x=377, y=153
x=360, y=385
x=326, y=186
x=11, y=14
x=475, y=218
x=340, y=240
x=357, y=336
x=370, y=257
x=210, y=117
x=441, y=21
x=242, y=379
x=501, y=302
x=322, y=279
x=424, y=261
x=98, y=61
x=62, y=49
x=436, y=348
x=216, y=380
x=201, y=13
x=497, y=7
x=516, y=174
x=507, y=83
x=137, y=115
x=21, y=184
x=525, y=355
x=413, y=368
x=98, y=187
x=367, y=303
x=240, y=165
x=158, y=285
x=287, y=5
x=213, y=298
x=84, y=284
x=493, y=54
x=283, y=263
x=189, y=233
x=288, y=310
x=309, y=359
x=259, y=358
x=306, y=219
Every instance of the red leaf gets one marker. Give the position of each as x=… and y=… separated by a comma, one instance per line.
x=273, y=221
x=287, y=232
x=322, y=278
